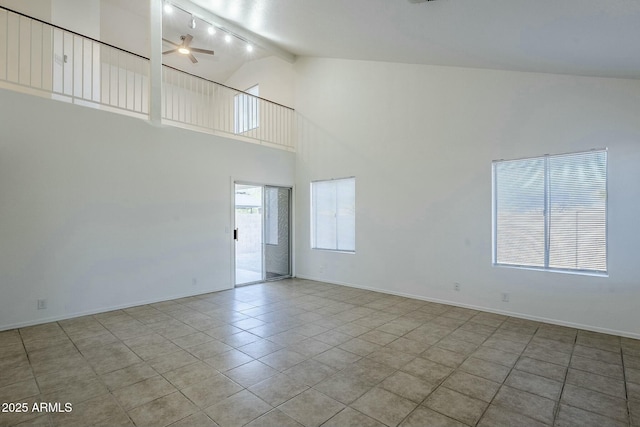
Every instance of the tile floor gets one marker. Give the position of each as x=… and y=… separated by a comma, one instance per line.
x=297, y=352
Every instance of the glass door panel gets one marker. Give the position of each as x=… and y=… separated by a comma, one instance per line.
x=248, y=233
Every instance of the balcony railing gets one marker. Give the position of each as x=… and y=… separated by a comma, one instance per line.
x=193, y=102
x=42, y=59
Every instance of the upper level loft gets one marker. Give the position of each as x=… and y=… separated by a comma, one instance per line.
x=175, y=85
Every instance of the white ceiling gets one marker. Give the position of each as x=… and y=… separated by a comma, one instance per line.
x=583, y=37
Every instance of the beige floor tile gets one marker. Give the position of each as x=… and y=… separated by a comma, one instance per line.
x=360, y=347
x=251, y=373
x=336, y=358
x=310, y=372
x=209, y=349
x=191, y=374
x=163, y=412
x=211, y=390
x=597, y=367
x=368, y=371
x=408, y=346
x=427, y=370
x=343, y=388
x=423, y=416
x=472, y=386
x=540, y=353
x=237, y=410
x=89, y=412
x=171, y=361
x=597, y=354
x=274, y=418
x=378, y=337
x=392, y=358
x=501, y=416
x=595, y=402
x=408, y=386
x=199, y=419
x=142, y=392
x=505, y=345
x=569, y=416
x=311, y=408
x=463, y=347
x=127, y=376
x=77, y=391
x=228, y=360
x=384, y=406
x=530, y=405
x=599, y=383
x=282, y=359
x=351, y=417
x=110, y=357
x=19, y=390
x=455, y=405
x=541, y=368
x=277, y=389
x=260, y=348
x=444, y=357
x=502, y=357
x=535, y=384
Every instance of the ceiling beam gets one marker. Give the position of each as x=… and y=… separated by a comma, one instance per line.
x=249, y=36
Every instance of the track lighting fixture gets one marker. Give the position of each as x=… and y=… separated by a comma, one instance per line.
x=192, y=23
x=168, y=9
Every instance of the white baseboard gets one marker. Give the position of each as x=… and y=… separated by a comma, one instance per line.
x=592, y=328
x=102, y=310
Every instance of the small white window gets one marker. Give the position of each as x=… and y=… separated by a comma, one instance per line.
x=333, y=214
x=550, y=212
x=246, y=110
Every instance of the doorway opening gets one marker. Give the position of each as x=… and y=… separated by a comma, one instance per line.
x=262, y=233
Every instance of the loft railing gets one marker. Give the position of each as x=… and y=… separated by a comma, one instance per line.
x=193, y=102
x=43, y=59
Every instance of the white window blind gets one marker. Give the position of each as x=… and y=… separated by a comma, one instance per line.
x=333, y=214
x=551, y=212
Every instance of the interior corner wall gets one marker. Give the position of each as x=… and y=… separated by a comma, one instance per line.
x=274, y=75
x=420, y=141
x=100, y=211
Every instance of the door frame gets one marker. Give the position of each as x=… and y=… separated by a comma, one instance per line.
x=232, y=222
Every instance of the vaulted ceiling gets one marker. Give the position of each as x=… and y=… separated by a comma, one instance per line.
x=583, y=37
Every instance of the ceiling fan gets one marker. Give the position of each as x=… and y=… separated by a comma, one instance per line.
x=185, y=48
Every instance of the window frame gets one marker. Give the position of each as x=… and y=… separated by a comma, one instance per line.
x=547, y=212
x=313, y=217
x=246, y=110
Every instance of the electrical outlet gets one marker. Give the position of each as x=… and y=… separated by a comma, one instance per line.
x=42, y=304
x=456, y=287
x=505, y=297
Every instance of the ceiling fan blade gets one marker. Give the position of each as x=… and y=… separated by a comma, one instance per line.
x=186, y=41
x=171, y=43
x=169, y=51
x=193, y=59
x=197, y=49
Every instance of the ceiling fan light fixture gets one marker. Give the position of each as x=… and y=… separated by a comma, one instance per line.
x=184, y=50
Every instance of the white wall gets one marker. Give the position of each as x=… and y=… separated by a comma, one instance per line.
x=99, y=210
x=274, y=75
x=420, y=141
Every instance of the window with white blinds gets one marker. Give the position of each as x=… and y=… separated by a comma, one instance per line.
x=333, y=214
x=551, y=212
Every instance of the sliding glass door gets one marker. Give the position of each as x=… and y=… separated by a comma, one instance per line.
x=262, y=233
